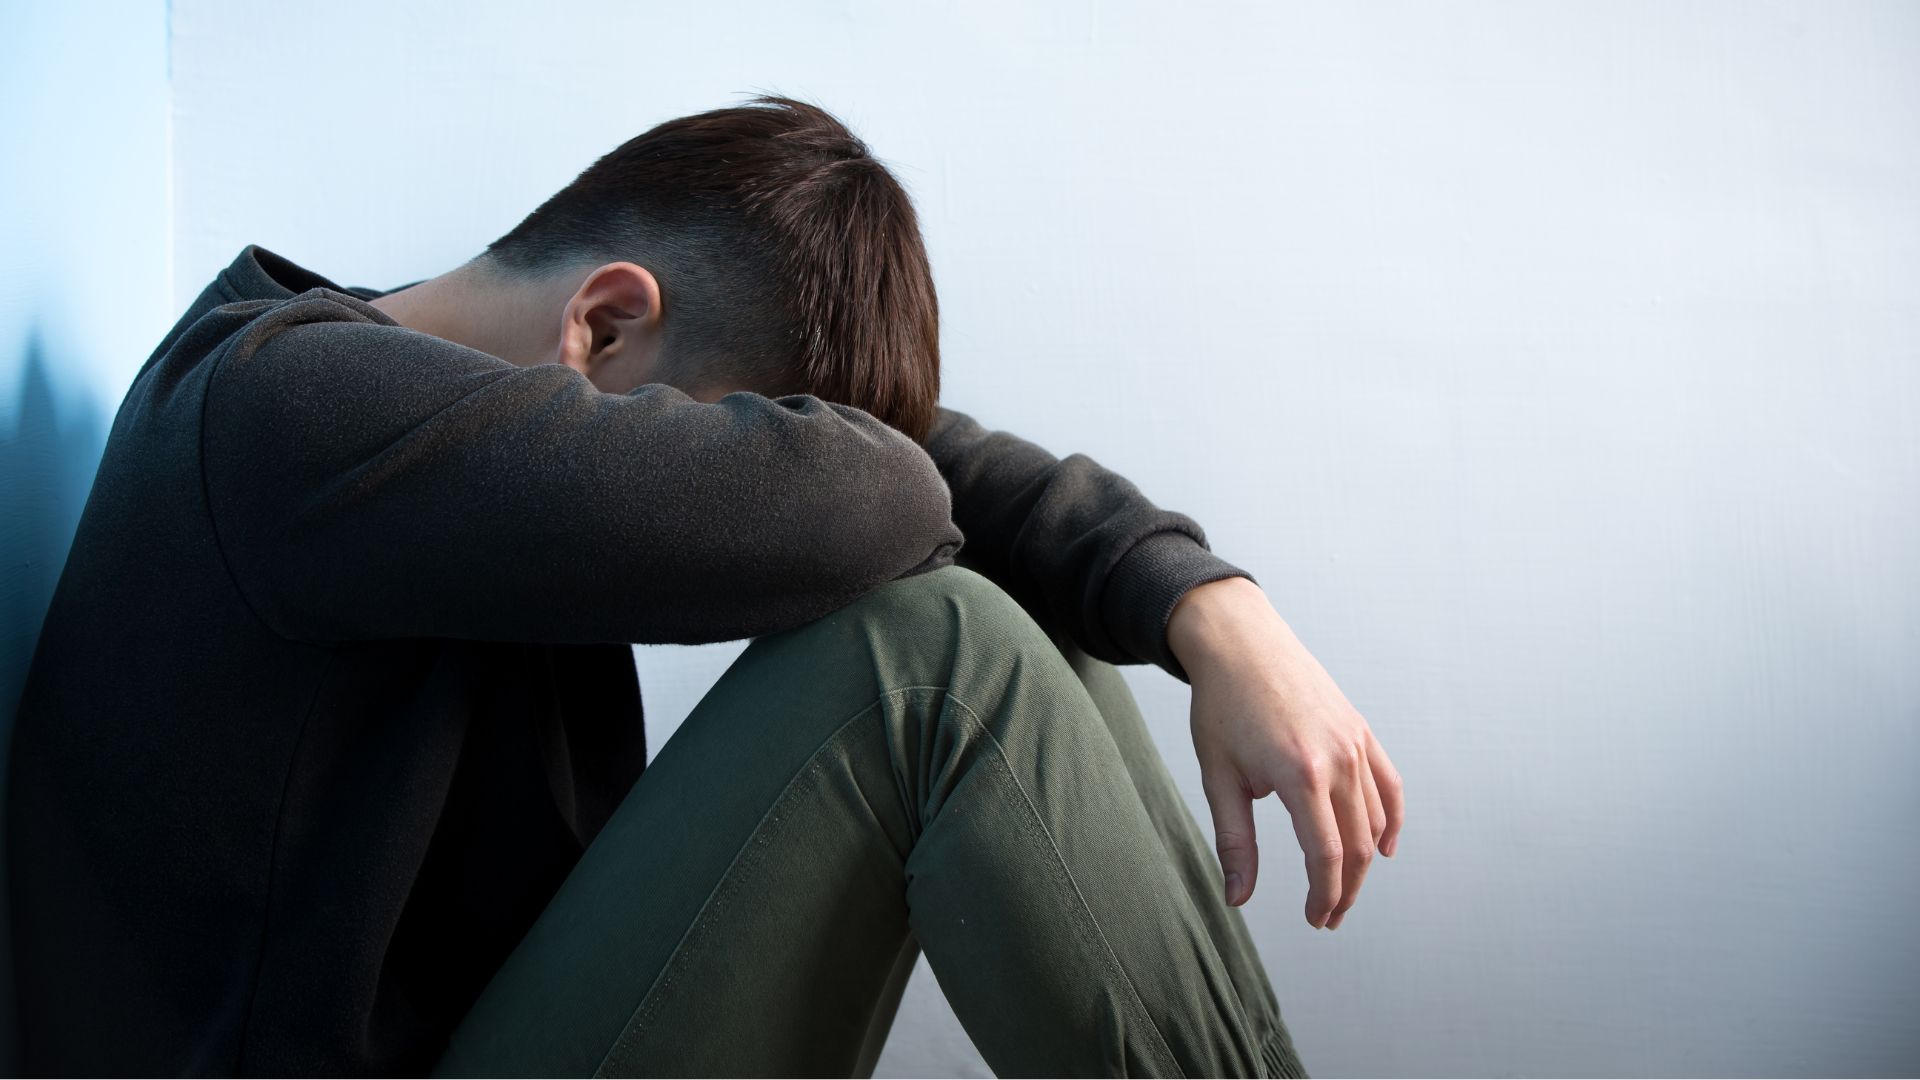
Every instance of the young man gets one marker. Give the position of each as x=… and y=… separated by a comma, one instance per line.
x=327, y=758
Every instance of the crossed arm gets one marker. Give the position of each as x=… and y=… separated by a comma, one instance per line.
x=371, y=485
x=1135, y=583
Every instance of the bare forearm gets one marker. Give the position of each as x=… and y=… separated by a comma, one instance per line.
x=1227, y=623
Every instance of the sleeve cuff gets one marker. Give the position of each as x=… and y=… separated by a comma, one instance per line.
x=1145, y=586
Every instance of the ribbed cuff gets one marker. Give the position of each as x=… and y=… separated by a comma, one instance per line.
x=1145, y=586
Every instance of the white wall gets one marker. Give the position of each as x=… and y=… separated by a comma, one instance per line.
x=1555, y=367
x=84, y=295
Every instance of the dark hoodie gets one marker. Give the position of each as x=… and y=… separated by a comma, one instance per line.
x=336, y=684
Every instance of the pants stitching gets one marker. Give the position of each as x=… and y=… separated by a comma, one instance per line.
x=747, y=855
x=1038, y=827
x=716, y=901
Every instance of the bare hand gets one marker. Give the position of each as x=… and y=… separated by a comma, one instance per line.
x=1268, y=719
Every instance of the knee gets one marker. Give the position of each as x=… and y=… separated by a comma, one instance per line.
x=942, y=599
x=945, y=627
x=957, y=602
x=933, y=608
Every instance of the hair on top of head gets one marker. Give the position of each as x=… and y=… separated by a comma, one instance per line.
x=789, y=259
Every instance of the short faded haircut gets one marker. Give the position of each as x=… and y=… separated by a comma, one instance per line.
x=790, y=261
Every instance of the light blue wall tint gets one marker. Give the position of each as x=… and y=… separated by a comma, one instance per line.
x=83, y=278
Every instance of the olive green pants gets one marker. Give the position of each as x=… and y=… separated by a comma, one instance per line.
x=926, y=768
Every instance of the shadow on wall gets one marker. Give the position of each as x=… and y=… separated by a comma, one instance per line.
x=48, y=458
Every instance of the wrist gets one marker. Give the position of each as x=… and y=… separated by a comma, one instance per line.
x=1145, y=585
x=1211, y=621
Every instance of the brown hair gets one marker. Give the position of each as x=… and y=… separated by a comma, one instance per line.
x=789, y=260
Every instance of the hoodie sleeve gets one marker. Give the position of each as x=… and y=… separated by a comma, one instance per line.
x=1074, y=542
x=371, y=481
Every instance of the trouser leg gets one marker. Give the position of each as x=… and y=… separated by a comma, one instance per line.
x=922, y=768
x=1188, y=849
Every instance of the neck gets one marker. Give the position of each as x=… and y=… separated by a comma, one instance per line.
x=475, y=306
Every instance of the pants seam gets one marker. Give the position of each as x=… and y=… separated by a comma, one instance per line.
x=717, y=897
x=1039, y=828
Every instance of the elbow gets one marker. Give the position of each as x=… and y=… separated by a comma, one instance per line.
x=920, y=508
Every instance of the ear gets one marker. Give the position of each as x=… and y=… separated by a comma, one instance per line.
x=611, y=319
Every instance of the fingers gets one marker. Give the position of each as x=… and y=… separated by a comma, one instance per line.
x=1349, y=801
x=1318, y=830
x=1232, y=832
x=1393, y=796
x=1376, y=810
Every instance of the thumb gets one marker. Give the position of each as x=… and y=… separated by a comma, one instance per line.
x=1232, y=832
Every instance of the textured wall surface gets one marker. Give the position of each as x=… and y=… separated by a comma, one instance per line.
x=1555, y=368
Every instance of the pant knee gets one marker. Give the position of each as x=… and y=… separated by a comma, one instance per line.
x=947, y=596
x=950, y=630
x=937, y=612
